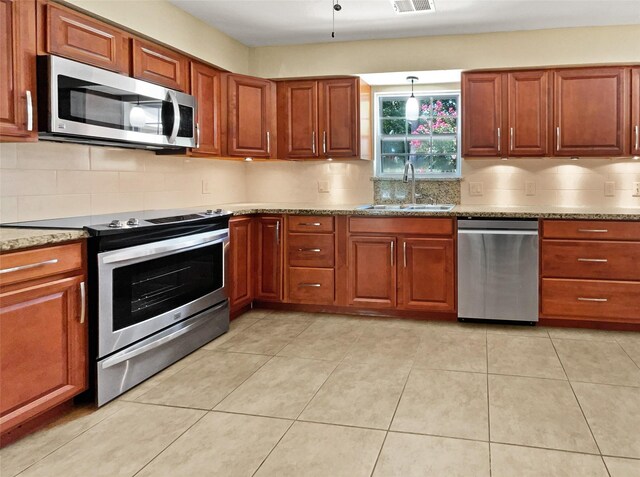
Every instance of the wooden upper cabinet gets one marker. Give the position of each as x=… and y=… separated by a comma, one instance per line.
x=298, y=119
x=205, y=86
x=635, y=111
x=528, y=119
x=160, y=65
x=17, y=71
x=240, y=267
x=482, y=114
x=427, y=276
x=251, y=116
x=269, y=269
x=590, y=117
x=338, y=108
x=84, y=39
x=372, y=271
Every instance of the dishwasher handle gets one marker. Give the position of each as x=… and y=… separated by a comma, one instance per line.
x=496, y=232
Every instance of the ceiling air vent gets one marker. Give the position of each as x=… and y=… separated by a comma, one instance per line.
x=413, y=6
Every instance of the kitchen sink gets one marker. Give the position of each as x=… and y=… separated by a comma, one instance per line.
x=408, y=207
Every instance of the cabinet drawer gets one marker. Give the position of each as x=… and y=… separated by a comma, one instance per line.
x=81, y=38
x=311, y=250
x=591, y=230
x=591, y=259
x=311, y=285
x=310, y=223
x=401, y=225
x=31, y=264
x=591, y=299
x=160, y=65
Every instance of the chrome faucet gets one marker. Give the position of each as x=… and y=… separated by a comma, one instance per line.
x=405, y=179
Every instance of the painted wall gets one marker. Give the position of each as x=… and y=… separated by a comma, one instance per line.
x=567, y=46
x=168, y=24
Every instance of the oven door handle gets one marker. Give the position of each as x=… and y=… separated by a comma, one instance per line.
x=180, y=245
x=117, y=359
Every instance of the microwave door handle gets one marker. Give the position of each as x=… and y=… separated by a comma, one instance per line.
x=176, y=117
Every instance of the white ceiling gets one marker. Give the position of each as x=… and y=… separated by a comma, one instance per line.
x=280, y=22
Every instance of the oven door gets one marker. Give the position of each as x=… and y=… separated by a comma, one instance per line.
x=89, y=104
x=146, y=288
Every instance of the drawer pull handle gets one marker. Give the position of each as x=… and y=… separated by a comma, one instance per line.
x=593, y=231
x=598, y=300
x=30, y=266
x=593, y=260
x=310, y=224
x=314, y=285
x=314, y=250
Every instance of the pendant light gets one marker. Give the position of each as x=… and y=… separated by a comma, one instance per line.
x=412, y=108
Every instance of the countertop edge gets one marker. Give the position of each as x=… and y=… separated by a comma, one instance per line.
x=29, y=238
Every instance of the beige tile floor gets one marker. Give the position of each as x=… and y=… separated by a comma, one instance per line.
x=292, y=394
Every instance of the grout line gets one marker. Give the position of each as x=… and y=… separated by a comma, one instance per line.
x=575, y=396
x=488, y=404
x=273, y=448
x=628, y=355
x=606, y=467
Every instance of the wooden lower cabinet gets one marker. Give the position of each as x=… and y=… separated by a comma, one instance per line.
x=240, y=262
x=269, y=267
x=311, y=285
x=426, y=279
x=43, y=346
x=372, y=271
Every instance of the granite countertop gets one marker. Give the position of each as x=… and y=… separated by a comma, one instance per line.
x=18, y=238
x=534, y=212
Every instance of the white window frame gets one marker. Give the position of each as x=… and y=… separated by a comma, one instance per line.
x=377, y=142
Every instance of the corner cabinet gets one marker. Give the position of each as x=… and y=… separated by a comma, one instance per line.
x=590, y=111
x=43, y=332
x=251, y=116
x=322, y=119
x=240, y=262
x=269, y=235
x=18, y=70
x=635, y=111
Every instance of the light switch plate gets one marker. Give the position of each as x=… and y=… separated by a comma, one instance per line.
x=323, y=187
x=530, y=188
x=636, y=189
x=609, y=189
x=206, y=186
x=476, y=189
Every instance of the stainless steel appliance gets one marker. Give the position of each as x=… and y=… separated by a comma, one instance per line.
x=156, y=290
x=82, y=103
x=498, y=270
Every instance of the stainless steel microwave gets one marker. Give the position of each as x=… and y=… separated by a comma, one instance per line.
x=85, y=104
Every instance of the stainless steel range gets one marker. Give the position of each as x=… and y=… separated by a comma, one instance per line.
x=157, y=290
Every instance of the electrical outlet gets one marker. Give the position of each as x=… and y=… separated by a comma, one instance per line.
x=323, y=187
x=476, y=189
x=206, y=186
x=609, y=189
x=636, y=189
x=530, y=188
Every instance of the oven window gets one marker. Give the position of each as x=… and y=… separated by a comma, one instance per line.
x=150, y=288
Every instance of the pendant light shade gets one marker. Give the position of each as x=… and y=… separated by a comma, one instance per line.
x=412, y=109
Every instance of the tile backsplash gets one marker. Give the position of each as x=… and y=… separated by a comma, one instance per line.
x=46, y=180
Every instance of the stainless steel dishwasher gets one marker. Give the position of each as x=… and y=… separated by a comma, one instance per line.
x=498, y=270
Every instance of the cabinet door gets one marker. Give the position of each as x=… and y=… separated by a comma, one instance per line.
x=17, y=70
x=240, y=264
x=205, y=86
x=298, y=119
x=269, y=283
x=528, y=113
x=482, y=114
x=589, y=112
x=160, y=65
x=635, y=111
x=372, y=272
x=251, y=116
x=427, y=278
x=339, y=117
x=43, y=349
x=84, y=39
